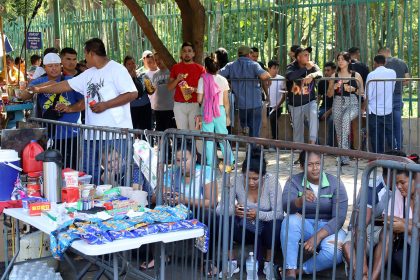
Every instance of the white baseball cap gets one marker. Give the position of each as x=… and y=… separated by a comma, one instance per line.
x=51, y=58
x=146, y=54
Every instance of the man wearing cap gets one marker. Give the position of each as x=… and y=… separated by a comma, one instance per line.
x=63, y=107
x=301, y=75
x=184, y=78
x=244, y=74
x=150, y=68
x=292, y=52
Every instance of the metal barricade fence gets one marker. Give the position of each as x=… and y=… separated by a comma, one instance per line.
x=212, y=190
x=387, y=126
x=213, y=195
x=391, y=238
x=326, y=124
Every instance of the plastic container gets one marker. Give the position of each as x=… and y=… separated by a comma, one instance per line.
x=251, y=267
x=9, y=170
x=29, y=163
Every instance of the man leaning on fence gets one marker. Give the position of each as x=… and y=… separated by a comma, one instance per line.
x=379, y=98
x=244, y=74
x=301, y=97
x=108, y=90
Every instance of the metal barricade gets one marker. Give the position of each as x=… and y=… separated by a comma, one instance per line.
x=230, y=239
x=391, y=125
x=192, y=170
x=396, y=248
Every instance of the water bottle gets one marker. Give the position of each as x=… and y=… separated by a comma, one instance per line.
x=251, y=267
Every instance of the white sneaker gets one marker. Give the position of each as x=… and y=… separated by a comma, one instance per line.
x=232, y=269
x=268, y=271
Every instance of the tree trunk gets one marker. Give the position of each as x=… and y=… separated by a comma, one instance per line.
x=149, y=31
x=193, y=25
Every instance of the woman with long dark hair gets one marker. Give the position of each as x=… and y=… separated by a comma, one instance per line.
x=345, y=88
x=213, y=94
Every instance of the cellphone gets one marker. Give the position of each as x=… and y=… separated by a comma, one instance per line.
x=379, y=222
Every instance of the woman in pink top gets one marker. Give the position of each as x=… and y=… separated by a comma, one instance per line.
x=213, y=94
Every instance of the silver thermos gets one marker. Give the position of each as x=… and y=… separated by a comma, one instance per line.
x=52, y=166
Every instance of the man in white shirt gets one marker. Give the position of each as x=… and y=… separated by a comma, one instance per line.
x=379, y=97
x=108, y=90
x=276, y=92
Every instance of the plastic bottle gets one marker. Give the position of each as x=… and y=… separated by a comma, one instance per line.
x=29, y=163
x=251, y=267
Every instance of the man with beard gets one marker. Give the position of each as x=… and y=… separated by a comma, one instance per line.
x=184, y=78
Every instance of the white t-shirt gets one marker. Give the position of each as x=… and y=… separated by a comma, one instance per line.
x=220, y=81
x=379, y=93
x=278, y=85
x=152, y=98
x=39, y=71
x=105, y=84
x=314, y=188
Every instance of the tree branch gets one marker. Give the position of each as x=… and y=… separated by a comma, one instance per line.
x=150, y=32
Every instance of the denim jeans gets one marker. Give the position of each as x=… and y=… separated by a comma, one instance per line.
x=252, y=119
x=397, y=130
x=329, y=123
x=325, y=257
x=380, y=132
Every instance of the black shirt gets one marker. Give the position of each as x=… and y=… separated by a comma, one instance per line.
x=326, y=102
x=360, y=68
x=294, y=76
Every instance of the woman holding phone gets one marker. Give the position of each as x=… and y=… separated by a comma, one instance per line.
x=258, y=195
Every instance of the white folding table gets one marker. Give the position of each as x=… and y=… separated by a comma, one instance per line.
x=44, y=225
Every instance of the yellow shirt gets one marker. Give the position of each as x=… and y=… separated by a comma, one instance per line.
x=13, y=75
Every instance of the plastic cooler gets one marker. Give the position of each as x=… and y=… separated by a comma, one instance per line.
x=9, y=170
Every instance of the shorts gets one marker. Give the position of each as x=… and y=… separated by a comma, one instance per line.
x=376, y=234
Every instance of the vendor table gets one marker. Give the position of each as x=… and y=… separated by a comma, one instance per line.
x=15, y=112
x=85, y=249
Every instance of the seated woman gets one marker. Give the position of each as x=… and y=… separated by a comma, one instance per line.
x=189, y=182
x=260, y=200
x=404, y=200
x=318, y=190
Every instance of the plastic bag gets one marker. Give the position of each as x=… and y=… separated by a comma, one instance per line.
x=146, y=158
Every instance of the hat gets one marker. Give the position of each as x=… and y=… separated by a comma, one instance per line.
x=146, y=54
x=51, y=58
x=300, y=49
x=293, y=48
x=243, y=50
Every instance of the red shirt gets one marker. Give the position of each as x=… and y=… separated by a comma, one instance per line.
x=194, y=72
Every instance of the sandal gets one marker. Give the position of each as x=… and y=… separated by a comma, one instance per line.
x=212, y=271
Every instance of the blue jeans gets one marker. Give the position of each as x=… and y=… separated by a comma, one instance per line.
x=380, y=131
x=218, y=125
x=98, y=152
x=397, y=130
x=329, y=126
x=325, y=257
x=252, y=119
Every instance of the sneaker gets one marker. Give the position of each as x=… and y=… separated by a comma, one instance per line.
x=268, y=271
x=232, y=269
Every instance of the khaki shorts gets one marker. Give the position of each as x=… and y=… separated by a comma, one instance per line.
x=376, y=234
